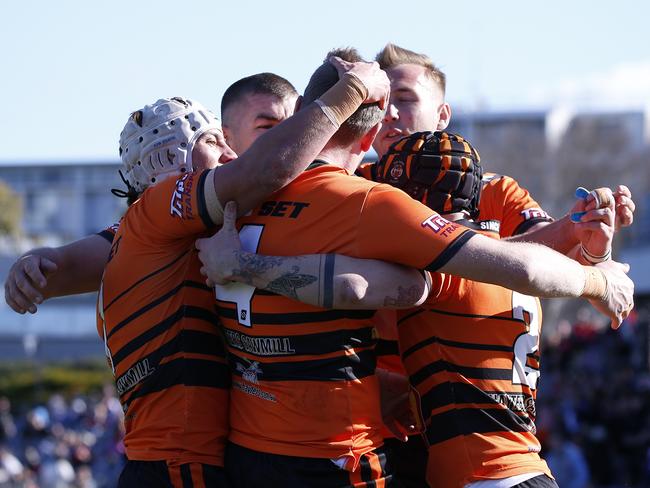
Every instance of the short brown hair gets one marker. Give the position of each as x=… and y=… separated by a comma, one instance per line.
x=393, y=55
x=260, y=83
x=324, y=78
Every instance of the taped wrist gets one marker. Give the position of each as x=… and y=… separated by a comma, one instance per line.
x=595, y=284
x=343, y=99
x=212, y=203
x=592, y=258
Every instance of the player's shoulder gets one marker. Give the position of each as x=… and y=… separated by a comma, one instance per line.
x=495, y=179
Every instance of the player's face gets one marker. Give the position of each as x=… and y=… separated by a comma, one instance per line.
x=416, y=104
x=252, y=116
x=210, y=150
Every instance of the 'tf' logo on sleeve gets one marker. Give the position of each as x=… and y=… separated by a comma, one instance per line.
x=439, y=224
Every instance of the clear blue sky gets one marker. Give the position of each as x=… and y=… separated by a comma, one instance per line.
x=72, y=71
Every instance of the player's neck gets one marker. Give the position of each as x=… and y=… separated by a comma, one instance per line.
x=341, y=157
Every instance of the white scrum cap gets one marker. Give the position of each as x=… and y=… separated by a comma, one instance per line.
x=157, y=140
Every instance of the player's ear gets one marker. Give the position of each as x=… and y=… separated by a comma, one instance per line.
x=298, y=104
x=227, y=134
x=445, y=116
x=369, y=137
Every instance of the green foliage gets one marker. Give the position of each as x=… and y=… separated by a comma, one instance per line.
x=29, y=383
x=11, y=211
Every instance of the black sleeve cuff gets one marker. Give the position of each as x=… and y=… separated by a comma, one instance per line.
x=451, y=251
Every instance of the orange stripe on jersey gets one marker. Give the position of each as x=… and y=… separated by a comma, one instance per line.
x=161, y=334
x=304, y=380
x=468, y=351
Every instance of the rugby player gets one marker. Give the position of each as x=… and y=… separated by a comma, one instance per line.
x=326, y=363
x=472, y=350
x=160, y=336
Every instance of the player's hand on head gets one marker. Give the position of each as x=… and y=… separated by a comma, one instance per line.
x=619, y=301
x=370, y=74
x=218, y=253
x=25, y=282
x=624, y=207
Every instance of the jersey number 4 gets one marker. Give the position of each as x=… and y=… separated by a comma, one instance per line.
x=238, y=293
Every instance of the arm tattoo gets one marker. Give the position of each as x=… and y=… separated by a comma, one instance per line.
x=405, y=297
x=288, y=283
x=251, y=265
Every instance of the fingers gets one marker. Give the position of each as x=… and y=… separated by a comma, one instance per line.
x=341, y=65
x=17, y=300
x=622, y=190
x=604, y=215
x=625, y=207
x=230, y=216
x=599, y=198
x=32, y=268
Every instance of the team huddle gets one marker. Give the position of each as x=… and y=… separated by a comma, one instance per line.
x=277, y=314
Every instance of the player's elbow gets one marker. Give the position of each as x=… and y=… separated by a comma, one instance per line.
x=350, y=291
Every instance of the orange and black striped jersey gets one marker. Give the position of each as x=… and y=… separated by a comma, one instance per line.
x=161, y=332
x=304, y=380
x=508, y=207
x=472, y=353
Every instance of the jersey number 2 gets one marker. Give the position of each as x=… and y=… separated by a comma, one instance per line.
x=525, y=368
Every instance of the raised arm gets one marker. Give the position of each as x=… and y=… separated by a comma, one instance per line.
x=537, y=270
x=564, y=235
x=283, y=152
x=323, y=280
x=50, y=272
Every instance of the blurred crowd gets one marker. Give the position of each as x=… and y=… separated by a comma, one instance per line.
x=593, y=417
x=66, y=443
x=594, y=403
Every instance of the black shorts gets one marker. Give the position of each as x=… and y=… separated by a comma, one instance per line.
x=541, y=481
x=252, y=469
x=157, y=474
x=409, y=461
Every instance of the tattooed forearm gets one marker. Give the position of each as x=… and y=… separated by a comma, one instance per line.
x=288, y=283
x=252, y=266
x=405, y=297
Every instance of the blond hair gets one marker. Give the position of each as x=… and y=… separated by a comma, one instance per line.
x=393, y=55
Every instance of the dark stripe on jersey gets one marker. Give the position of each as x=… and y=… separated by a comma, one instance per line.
x=200, y=199
x=410, y=315
x=158, y=301
x=450, y=251
x=387, y=347
x=460, y=393
x=162, y=327
x=366, y=471
x=143, y=279
x=462, y=345
x=307, y=344
x=465, y=421
x=108, y=235
x=187, y=372
x=298, y=318
x=342, y=368
x=316, y=164
x=471, y=373
x=527, y=224
x=186, y=476
x=186, y=341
